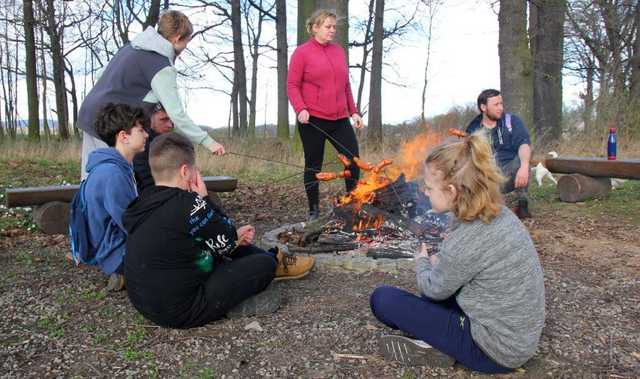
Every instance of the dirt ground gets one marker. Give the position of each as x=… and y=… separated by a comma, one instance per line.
x=56, y=322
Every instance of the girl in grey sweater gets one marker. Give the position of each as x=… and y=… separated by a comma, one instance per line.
x=481, y=297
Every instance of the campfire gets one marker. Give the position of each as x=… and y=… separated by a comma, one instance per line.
x=386, y=212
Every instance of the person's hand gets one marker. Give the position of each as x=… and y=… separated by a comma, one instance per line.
x=357, y=121
x=303, y=116
x=424, y=251
x=197, y=184
x=216, y=148
x=246, y=235
x=522, y=177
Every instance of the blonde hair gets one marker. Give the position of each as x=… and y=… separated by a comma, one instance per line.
x=469, y=166
x=175, y=23
x=317, y=18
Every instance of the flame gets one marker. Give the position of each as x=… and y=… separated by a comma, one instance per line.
x=408, y=161
x=412, y=154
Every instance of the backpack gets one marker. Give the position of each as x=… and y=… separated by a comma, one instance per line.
x=79, y=229
x=507, y=122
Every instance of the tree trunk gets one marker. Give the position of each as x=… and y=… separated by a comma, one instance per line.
x=305, y=8
x=74, y=99
x=374, y=132
x=55, y=38
x=634, y=88
x=283, y=67
x=576, y=187
x=365, y=55
x=239, y=67
x=547, y=36
x=253, y=37
x=587, y=117
x=30, y=68
x=154, y=14
x=43, y=74
x=515, y=59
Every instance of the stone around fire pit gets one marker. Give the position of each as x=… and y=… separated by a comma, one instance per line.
x=349, y=256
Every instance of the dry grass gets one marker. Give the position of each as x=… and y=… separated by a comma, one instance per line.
x=266, y=159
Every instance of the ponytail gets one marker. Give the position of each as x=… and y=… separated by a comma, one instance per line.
x=469, y=166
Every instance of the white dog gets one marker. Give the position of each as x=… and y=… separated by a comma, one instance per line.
x=541, y=172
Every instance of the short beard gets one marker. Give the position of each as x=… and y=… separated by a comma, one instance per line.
x=491, y=117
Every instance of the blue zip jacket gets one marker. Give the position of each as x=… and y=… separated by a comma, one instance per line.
x=108, y=190
x=506, y=138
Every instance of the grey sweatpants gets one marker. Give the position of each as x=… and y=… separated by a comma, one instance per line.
x=89, y=144
x=509, y=170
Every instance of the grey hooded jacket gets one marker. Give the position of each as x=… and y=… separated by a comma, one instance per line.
x=494, y=272
x=141, y=71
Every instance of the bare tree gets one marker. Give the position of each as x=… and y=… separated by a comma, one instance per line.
x=432, y=8
x=239, y=69
x=634, y=86
x=254, y=33
x=515, y=59
x=374, y=132
x=546, y=33
x=30, y=69
x=55, y=31
x=282, y=63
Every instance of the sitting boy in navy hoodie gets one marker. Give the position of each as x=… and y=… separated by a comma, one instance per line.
x=95, y=226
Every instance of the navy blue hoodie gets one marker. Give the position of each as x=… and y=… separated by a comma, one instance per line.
x=108, y=190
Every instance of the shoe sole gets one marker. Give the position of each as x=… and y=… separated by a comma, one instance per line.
x=280, y=278
x=405, y=350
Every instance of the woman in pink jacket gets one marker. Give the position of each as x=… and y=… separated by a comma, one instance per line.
x=319, y=91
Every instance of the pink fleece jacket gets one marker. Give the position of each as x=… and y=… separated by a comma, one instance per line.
x=318, y=81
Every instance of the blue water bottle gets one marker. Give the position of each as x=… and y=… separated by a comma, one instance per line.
x=611, y=144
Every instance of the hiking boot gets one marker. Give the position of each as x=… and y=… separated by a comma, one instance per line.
x=115, y=283
x=413, y=352
x=262, y=303
x=314, y=213
x=522, y=209
x=291, y=266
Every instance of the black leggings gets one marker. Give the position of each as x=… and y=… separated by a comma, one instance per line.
x=250, y=272
x=343, y=140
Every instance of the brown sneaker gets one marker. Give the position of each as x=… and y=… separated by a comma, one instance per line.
x=115, y=283
x=293, y=267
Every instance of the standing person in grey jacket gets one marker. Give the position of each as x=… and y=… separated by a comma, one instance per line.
x=144, y=71
x=481, y=297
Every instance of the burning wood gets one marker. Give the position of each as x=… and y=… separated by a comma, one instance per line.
x=457, y=133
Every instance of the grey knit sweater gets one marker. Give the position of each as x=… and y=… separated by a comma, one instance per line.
x=494, y=269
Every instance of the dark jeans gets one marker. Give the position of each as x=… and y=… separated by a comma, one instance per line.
x=342, y=138
x=443, y=325
x=509, y=170
x=249, y=272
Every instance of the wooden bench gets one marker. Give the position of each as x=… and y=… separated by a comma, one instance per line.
x=51, y=203
x=590, y=177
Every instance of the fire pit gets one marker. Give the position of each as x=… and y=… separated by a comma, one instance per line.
x=380, y=224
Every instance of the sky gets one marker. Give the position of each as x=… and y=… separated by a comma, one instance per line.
x=464, y=61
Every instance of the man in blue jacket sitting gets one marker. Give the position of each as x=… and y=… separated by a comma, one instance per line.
x=95, y=226
x=511, y=145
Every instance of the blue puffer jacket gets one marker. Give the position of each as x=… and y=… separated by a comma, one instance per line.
x=106, y=193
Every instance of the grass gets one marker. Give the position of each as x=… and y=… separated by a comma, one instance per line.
x=623, y=202
x=58, y=163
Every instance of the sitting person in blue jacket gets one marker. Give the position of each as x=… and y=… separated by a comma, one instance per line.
x=510, y=143
x=95, y=226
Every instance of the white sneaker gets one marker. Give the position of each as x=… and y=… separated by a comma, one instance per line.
x=413, y=352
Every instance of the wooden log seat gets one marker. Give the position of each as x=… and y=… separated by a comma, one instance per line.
x=576, y=187
x=51, y=203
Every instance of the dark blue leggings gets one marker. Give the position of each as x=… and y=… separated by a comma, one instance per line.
x=443, y=325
